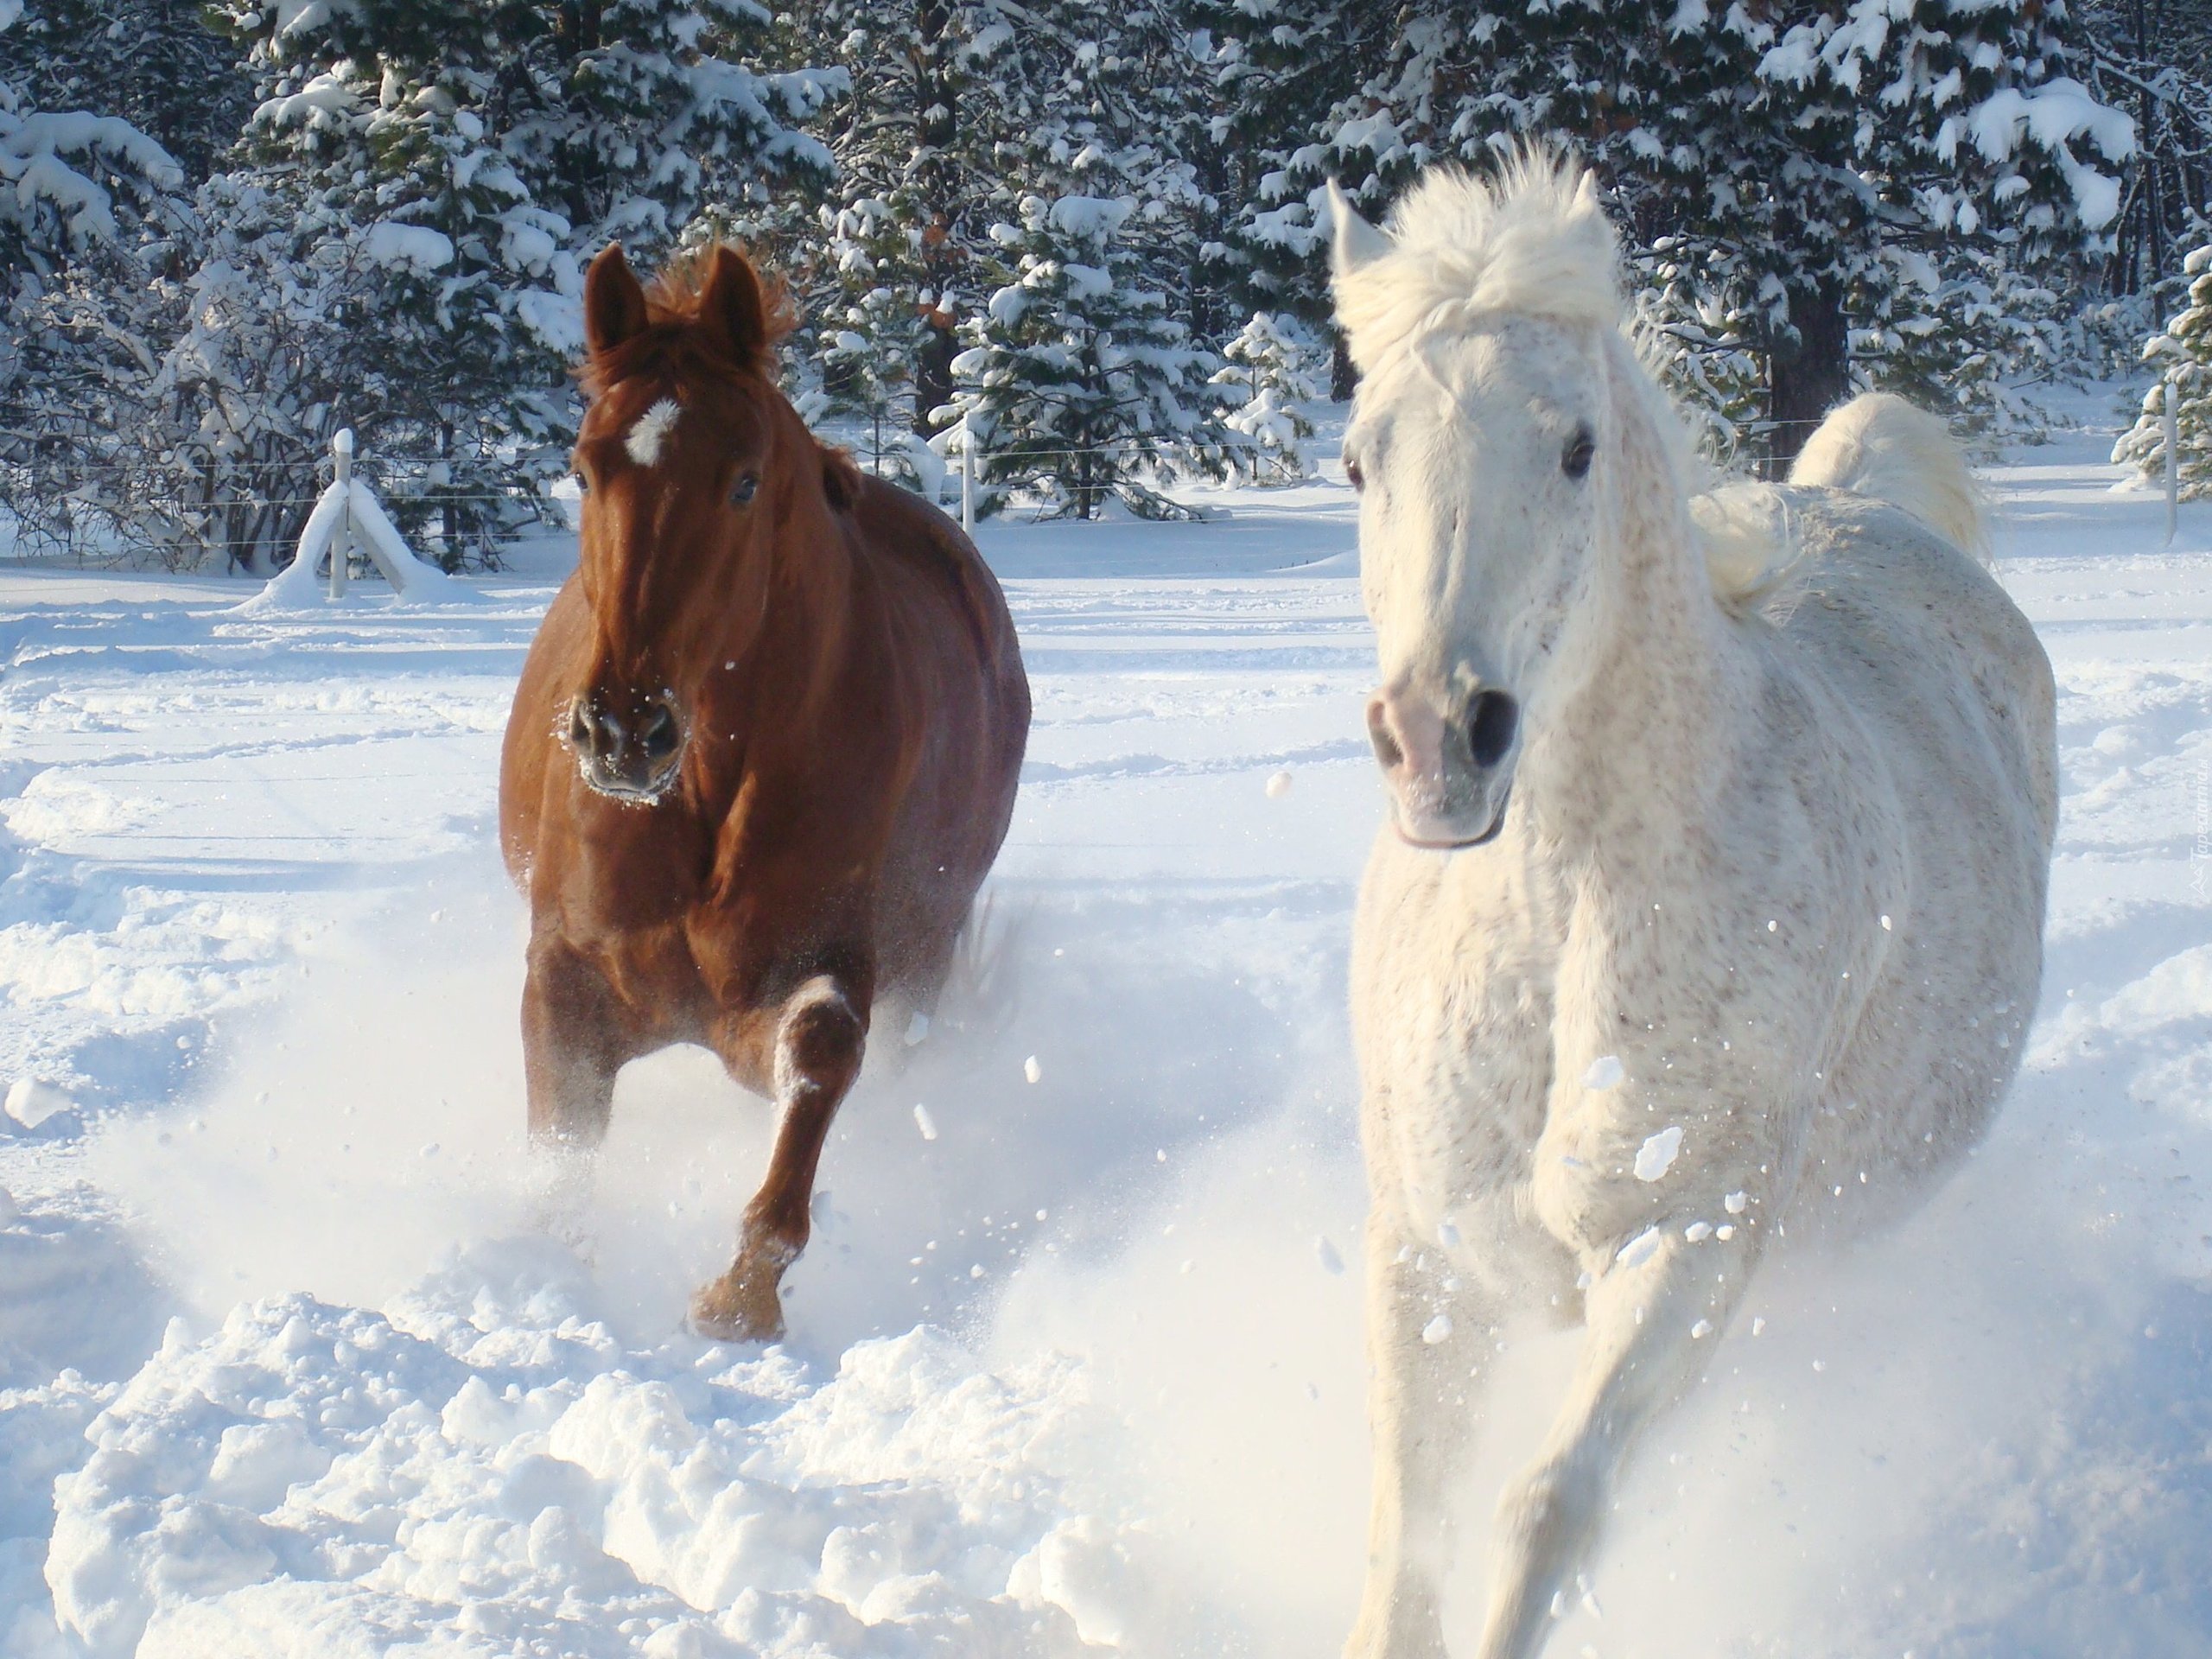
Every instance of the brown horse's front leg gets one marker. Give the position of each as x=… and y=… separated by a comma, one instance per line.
x=818, y=1035
x=576, y=1036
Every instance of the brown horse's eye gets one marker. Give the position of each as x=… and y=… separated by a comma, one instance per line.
x=743, y=491
x=583, y=484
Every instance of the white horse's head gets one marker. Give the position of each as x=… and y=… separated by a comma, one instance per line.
x=1484, y=442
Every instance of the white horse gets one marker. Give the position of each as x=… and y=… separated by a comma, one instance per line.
x=1711, y=899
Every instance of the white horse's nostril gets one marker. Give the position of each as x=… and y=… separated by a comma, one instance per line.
x=1378, y=732
x=1491, y=725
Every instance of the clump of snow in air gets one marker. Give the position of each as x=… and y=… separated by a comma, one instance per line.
x=1605, y=1072
x=1277, y=786
x=1639, y=1249
x=1736, y=1203
x=1698, y=1231
x=1436, y=1330
x=1324, y=1251
x=1656, y=1155
x=1032, y=1070
x=925, y=1122
x=31, y=1101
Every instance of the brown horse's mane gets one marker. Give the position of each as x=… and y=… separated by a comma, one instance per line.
x=672, y=342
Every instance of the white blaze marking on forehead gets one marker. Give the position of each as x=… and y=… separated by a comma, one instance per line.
x=651, y=432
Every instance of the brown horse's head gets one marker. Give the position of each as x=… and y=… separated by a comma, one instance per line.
x=694, y=470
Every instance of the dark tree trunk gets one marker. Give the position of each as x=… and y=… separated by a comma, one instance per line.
x=579, y=29
x=936, y=128
x=449, y=509
x=1208, y=321
x=1808, y=371
x=1343, y=380
x=933, y=375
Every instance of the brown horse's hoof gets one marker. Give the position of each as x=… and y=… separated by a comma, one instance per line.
x=729, y=1311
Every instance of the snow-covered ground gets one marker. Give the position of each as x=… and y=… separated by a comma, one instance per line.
x=286, y=1369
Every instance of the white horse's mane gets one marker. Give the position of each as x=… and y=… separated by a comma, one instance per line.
x=1535, y=241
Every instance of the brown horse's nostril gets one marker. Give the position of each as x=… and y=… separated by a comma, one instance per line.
x=608, y=738
x=1378, y=732
x=630, y=747
x=1491, y=724
x=661, y=735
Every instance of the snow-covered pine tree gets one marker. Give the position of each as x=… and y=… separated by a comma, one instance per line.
x=1083, y=380
x=1147, y=81
x=1700, y=346
x=1081, y=387
x=2153, y=59
x=199, y=434
x=1886, y=146
x=1282, y=73
x=888, y=226
x=89, y=205
x=75, y=175
x=381, y=254
x=1270, y=374
x=375, y=261
x=156, y=64
x=942, y=99
x=2180, y=354
x=633, y=119
x=870, y=332
x=467, y=402
x=1798, y=168
x=1973, y=338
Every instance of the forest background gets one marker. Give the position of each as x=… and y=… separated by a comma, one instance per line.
x=1094, y=238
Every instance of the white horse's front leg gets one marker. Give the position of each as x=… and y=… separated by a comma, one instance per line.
x=1428, y=1339
x=1650, y=1328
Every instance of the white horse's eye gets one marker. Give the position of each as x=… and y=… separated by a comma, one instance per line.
x=1581, y=449
x=1352, y=472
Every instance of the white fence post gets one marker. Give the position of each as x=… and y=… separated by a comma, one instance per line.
x=968, y=474
x=341, y=544
x=2172, y=421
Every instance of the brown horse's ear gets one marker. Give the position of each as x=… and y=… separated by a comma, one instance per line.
x=614, y=305
x=731, y=310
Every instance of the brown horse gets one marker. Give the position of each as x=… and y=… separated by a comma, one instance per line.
x=764, y=750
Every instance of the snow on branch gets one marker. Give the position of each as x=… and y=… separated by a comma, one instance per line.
x=42, y=158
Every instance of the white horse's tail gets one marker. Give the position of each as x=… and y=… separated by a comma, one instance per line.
x=1880, y=446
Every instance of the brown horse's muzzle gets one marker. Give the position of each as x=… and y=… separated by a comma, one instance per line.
x=627, y=747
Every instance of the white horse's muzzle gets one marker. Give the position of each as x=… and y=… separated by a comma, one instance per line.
x=1449, y=774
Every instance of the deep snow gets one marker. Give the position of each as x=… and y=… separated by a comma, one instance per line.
x=287, y=1368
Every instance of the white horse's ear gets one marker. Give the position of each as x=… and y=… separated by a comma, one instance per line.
x=1585, y=189
x=1358, y=242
